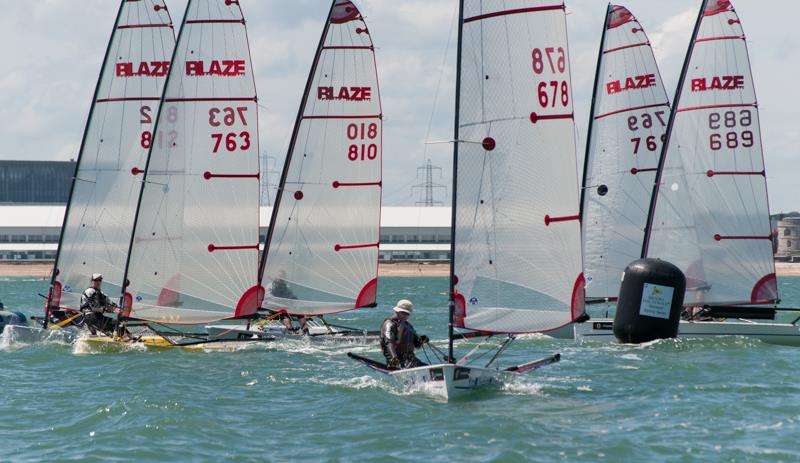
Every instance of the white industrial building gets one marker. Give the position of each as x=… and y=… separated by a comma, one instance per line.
x=31, y=232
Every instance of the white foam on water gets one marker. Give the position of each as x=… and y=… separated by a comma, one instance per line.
x=16, y=337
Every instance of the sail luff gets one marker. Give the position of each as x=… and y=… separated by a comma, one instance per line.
x=78, y=161
x=322, y=246
x=193, y=257
x=628, y=118
x=122, y=297
x=517, y=253
x=87, y=240
x=712, y=194
x=454, y=201
x=670, y=123
x=292, y=143
x=591, y=113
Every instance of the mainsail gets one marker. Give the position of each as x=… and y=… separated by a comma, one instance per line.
x=194, y=252
x=629, y=115
x=321, y=252
x=710, y=215
x=516, y=249
x=102, y=204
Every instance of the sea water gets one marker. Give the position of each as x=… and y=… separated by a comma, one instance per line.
x=728, y=399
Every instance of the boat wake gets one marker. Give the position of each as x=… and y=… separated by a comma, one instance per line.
x=16, y=337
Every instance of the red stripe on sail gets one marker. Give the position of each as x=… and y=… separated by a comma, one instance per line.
x=536, y=118
x=250, y=301
x=215, y=21
x=209, y=175
x=140, y=98
x=723, y=37
x=627, y=46
x=633, y=108
x=371, y=116
x=141, y=26
x=368, y=294
x=548, y=220
x=186, y=100
x=719, y=237
x=337, y=184
x=712, y=173
x=348, y=47
x=765, y=289
x=715, y=106
x=340, y=247
x=495, y=14
x=212, y=248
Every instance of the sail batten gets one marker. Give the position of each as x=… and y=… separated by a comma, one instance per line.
x=102, y=202
x=516, y=240
x=194, y=253
x=630, y=112
x=321, y=252
x=712, y=177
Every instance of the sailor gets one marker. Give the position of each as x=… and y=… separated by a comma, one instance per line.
x=399, y=339
x=93, y=304
x=281, y=289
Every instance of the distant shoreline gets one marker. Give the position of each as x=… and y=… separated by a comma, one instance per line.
x=385, y=269
x=393, y=269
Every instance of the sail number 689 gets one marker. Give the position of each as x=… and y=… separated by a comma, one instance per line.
x=362, y=151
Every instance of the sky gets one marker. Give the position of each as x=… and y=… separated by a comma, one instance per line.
x=52, y=51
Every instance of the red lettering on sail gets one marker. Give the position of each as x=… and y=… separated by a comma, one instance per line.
x=345, y=93
x=631, y=83
x=702, y=84
x=143, y=69
x=222, y=68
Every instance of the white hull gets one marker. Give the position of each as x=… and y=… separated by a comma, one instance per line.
x=772, y=333
x=448, y=381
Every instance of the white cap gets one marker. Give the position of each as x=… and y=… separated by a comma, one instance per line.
x=404, y=305
x=97, y=276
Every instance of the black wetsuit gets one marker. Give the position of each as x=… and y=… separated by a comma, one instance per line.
x=398, y=340
x=93, y=304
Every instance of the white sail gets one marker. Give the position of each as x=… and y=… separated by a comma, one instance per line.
x=629, y=117
x=194, y=253
x=321, y=254
x=711, y=216
x=517, y=249
x=99, y=218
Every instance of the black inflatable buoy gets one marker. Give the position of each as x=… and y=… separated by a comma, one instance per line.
x=650, y=300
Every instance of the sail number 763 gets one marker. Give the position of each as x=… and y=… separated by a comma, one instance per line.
x=362, y=132
x=227, y=117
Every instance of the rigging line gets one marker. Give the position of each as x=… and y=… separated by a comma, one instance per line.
x=453, y=21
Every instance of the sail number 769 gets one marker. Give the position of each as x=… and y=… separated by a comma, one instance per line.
x=362, y=132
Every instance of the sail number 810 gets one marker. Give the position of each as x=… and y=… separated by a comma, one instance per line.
x=362, y=151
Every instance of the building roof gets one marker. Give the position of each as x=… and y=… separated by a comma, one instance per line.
x=31, y=216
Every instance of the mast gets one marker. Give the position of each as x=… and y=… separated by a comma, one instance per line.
x=78, y=161
x=292, y=143
x=591, y=112
x=451, y=293
x=670, y=124
x=147, y=163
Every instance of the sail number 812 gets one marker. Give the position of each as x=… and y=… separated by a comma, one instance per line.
x=362, y=151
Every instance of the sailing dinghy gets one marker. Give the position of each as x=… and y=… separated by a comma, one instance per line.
x=193, y=255
x=516, y=249
x=102, y=203
x=321, y=250
x=709, y=213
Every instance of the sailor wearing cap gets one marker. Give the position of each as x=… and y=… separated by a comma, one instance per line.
x=399, y=339
x=93, y=303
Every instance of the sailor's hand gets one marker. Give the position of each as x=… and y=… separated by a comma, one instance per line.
x=394, y=363
x=423, y=339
